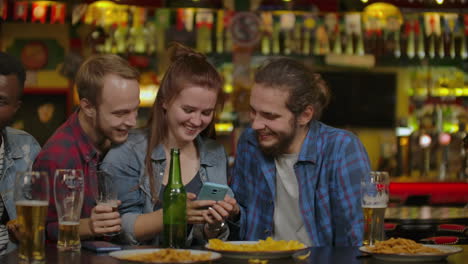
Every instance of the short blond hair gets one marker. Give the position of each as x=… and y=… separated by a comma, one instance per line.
x=89, y=79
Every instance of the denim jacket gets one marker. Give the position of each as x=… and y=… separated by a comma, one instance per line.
x=20, y=151
x=126, y=163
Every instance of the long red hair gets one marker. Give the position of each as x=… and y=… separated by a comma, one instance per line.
x=187, y=68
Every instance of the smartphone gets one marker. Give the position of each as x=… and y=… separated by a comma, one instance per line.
x=212, y=191
x=100, y=246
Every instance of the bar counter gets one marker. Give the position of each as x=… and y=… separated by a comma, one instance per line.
x=348, y=255
x=437, y=192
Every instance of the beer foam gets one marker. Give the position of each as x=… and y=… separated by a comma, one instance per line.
x=32, y=203
x=69, y=223
x=375, y=200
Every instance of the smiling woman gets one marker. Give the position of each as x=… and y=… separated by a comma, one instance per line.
x=182, y=117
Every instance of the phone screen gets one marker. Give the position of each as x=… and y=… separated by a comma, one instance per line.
x=212, y=191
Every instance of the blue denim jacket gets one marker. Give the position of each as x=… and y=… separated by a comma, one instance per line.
x=20, y=151
x=126, y=163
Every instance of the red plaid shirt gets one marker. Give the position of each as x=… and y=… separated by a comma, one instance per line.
x=68, y=148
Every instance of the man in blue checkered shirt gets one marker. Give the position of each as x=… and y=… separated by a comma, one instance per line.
x=294, y=177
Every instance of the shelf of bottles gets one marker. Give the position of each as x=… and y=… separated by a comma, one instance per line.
x=380, y=30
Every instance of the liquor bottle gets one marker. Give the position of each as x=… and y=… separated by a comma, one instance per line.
x=397, y=51
x=463, y=175
x=306, y=42
x=410, y=46
x=463, y=48
x=219, y=31
x=420, y=48
x=458, y=153
x=337, y=44
x=174, y=206
x=403, y=155
x=276, y=37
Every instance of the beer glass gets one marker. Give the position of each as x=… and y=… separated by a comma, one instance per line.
x=374, y=199
x=106, y=192
x=31, y=200
x=68, y=193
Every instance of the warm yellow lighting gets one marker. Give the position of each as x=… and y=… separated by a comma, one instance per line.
x=45, y=2
x=228, y=88
x=444, y=91
x=148, y=95
x=364, y=1
x=224, y=127
x=404, y=141
x=440, y=1
x=450, y=128
x=104, y=4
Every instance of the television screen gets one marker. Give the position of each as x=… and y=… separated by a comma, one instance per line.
x=361, y=99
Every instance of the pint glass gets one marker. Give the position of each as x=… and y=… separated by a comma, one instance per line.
x=68, y=193
x=31, y=200
x=107, y=192
x=374, y=199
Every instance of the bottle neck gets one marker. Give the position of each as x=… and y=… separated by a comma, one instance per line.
x=175, y=177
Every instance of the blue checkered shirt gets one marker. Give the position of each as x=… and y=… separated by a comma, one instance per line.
x=329, y=168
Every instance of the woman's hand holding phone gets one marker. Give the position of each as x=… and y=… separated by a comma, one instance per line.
x=222, y=210
x=217, y=215
x=196, y=209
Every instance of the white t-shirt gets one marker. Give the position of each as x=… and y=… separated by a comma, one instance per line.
x=287, y=219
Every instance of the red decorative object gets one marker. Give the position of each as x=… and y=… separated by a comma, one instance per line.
x=4, y=9
x=204, y=19
x=442, y=240
x=452, y=228
x=139, y=61
x=57, y=13
x=20, y=10
x=390, y=226
x=34, y=55
x=180, y=19
x=440, y=192
x=39, y=12
x=228, y=15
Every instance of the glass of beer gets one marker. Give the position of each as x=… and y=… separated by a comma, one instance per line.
x=374, y=199
x=31, y=200
x=107, y=192
x=68, y=194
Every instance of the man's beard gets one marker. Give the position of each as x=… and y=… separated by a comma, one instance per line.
x=104, y=135
x=284, y=141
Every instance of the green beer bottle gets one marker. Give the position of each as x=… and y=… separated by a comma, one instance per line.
x=174, y=206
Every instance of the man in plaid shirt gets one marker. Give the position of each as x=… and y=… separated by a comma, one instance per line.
x=109, y=91
x=294, y=177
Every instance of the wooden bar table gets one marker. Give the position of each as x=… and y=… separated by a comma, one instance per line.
x=318, y=255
